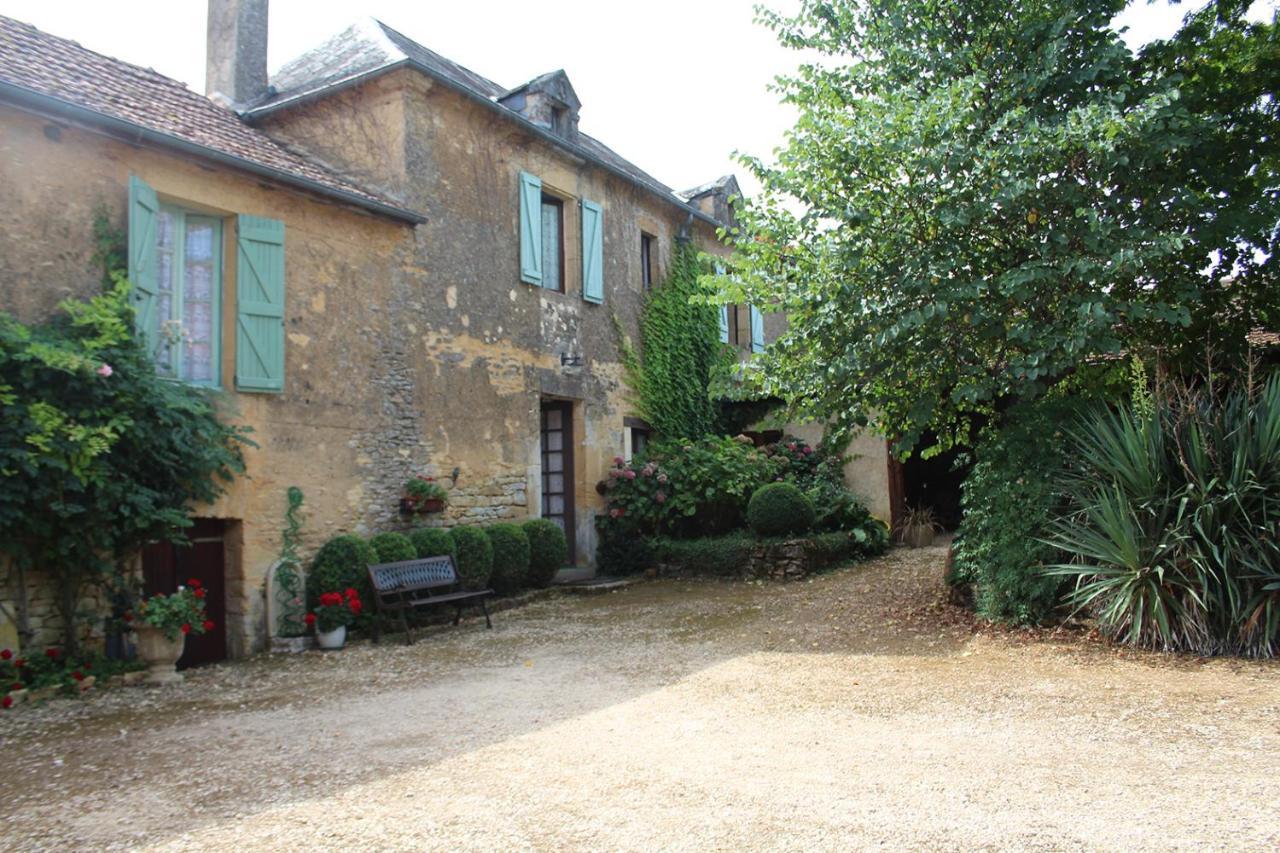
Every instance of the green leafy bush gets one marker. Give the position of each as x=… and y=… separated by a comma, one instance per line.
x=473, y=555
x=432, y=542
x=510, y=558
x=620, y=548
x=1008, y=501
x=1173, y=520
x=548, y=550
x=340, y=563
x=778, y=509
x=392, y=547
x=716, y=556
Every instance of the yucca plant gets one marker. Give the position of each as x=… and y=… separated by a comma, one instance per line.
x=1174, y=529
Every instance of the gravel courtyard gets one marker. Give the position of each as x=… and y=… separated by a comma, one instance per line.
x=855, y=710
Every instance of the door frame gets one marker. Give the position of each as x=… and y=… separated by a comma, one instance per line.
x=565, y=407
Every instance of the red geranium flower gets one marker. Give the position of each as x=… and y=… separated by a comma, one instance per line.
x=356, y=607
x=186, y=628
x=352, y=594
x=6, y=702
x=200, y=593
x=20, y=663
x=52, y=654
x=5, y=654
x=310, y=619
x=78, y=675
x=194, y=583
x=208, y=624
x=17, y=685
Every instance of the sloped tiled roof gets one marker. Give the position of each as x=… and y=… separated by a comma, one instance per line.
x=371, y=47
x=35, y=63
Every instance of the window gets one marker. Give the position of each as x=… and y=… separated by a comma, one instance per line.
x=637, y=437
x=552, y=243
x=646, y=261
x=186, y=321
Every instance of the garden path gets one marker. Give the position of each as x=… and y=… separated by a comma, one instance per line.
x=857, y=709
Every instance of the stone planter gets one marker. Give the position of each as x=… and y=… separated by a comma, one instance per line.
x=289, y=645
x=19, y=696
x=160, y=654
x=332, y=640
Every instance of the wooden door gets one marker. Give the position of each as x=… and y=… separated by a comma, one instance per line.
x=166, y=566
x=557, y=469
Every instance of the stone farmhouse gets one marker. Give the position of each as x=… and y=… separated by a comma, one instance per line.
x=386, y=264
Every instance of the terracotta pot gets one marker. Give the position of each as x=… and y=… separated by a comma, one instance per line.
x=433, y=505
x=334, y=639
x=160, y=654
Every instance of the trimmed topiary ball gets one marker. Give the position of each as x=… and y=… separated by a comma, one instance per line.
x=432, y=542
x=341, y=562
x=473, y=555
x=510, y=558
x=779, y=509
x=392, y=547
x=548, y=550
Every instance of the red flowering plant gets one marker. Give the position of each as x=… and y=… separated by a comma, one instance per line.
x=178, y=613
x=335, y=610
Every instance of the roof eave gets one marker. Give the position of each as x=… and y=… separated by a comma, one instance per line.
x=132, y=131
x=540, y=132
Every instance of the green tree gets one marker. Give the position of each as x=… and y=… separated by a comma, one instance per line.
x=980, y=198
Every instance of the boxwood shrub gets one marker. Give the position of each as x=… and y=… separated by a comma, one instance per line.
x=473, y=555
x=717, y=556
x=779, y=509
x=392, y=547
x=432, y=542
x=510, y=558
x=341, y=562
x=548, y=550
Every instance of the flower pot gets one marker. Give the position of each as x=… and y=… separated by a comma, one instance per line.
x=160, y=654
x=334, y=639
x=433, y=505
x=408, y=506
x=918, y=536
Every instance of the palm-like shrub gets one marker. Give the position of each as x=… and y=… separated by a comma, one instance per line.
x=1173, y=536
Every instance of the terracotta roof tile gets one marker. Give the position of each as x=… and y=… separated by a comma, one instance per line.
x=58, y=68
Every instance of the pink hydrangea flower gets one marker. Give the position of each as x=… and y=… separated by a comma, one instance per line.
x=618, y=460
x=660, y=497
x=630, y=475
x=662, y=478
x=807, y=450
x=105, y=370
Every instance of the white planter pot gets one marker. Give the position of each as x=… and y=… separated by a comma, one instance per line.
x=160, y=654
x=334, y=639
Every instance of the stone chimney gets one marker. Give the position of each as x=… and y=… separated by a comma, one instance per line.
x=236, y=64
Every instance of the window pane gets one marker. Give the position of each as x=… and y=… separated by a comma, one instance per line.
x=165, y=331
x=551, y=246
x=552, y=417
x=555, y=441
x=199, y=311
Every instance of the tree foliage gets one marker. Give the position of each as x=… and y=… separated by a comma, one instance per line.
x=99, y=455
x=978, y=198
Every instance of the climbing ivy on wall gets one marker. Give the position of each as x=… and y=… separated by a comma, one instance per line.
x=680, y=350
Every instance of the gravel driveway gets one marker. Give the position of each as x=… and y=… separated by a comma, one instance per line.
x=854, y=710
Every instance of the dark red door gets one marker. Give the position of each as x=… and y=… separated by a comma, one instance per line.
x=165, y=566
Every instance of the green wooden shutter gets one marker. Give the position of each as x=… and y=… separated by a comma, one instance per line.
x=592, y=251
x=143, y=272
x=260, y=304
x=530, y=229
x=724, y=324
x=757, y=330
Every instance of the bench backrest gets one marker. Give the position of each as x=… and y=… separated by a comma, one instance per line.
x=425, y=573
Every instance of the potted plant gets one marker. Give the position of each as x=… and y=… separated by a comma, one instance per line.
x=162, y=625
x=423, y=494
x=333, y=613
x=918, y=527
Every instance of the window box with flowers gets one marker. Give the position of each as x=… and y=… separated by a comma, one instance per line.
x=423, y=494
x=334, y=612
x=162, y=625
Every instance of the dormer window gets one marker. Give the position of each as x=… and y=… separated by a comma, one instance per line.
x=548, y=101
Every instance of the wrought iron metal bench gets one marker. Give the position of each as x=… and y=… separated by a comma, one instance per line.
x=410, y=584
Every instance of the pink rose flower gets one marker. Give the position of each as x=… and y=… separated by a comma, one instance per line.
x=105, y=370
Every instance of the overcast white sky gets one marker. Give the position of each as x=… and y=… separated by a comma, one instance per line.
x=673, y=85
